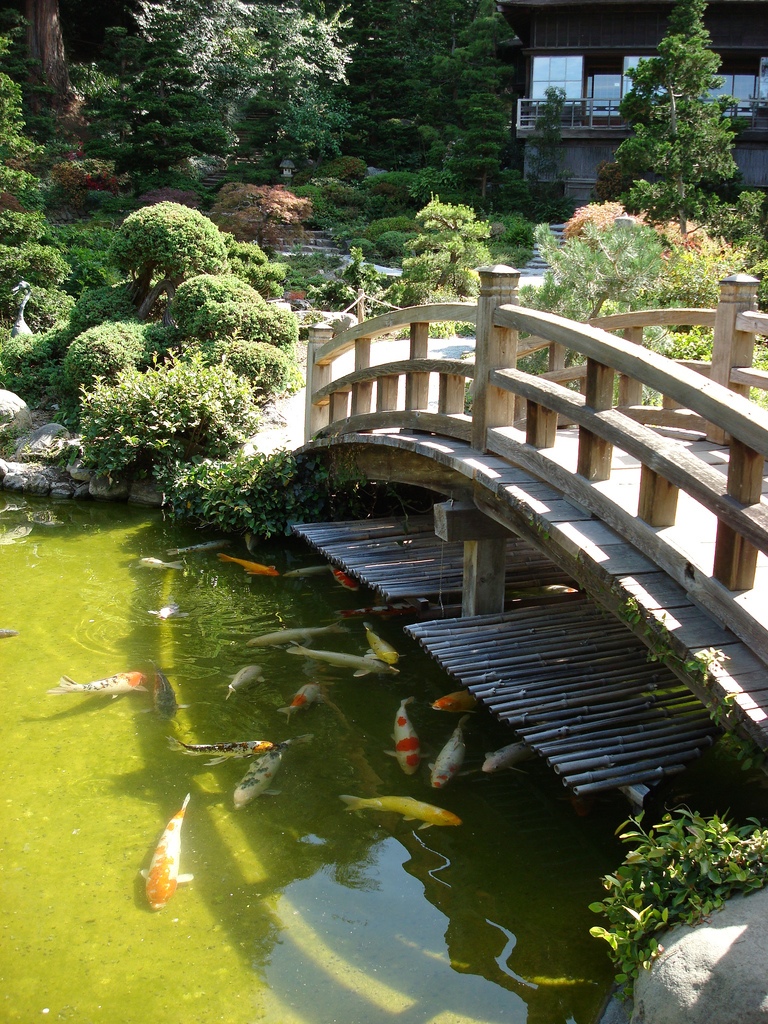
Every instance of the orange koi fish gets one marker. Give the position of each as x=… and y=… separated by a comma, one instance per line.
x=163, y=875
x=407, y=749
x=459, y=700
x=123, y=682
x=344, y=580
x=252, y=568
x=406, y=805
x=305, y=697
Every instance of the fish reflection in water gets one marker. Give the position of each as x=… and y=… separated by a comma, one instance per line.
x=15, y=534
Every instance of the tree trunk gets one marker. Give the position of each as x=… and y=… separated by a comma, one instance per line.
x=46, y=45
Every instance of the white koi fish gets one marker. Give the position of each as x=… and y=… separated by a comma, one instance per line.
x=237, y=748
x=245, y=675
x=156, y=563
x=9, y=632
x=209, y=545
x=451, y=757
x=290, y=636
x=305, y=697
x=407, y=749
x=123, y=682
x=309, y=570
x=382, y=650
x=258, y=777
x=163, y=874
x=169, y=611
x=363, y=666
x=506, y=757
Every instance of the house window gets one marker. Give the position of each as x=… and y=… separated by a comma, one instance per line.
x=762, y=82
x=743, y=87
x=564, y=73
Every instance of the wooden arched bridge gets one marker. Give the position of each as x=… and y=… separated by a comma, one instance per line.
x=635, y=478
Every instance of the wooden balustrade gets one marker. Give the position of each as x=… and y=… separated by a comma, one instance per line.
x=699, y=396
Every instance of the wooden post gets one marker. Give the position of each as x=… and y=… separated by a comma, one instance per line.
x=362, y=394
x=360, y=306
x=736, y=558
x=631, y=391
x=495, y=349
x=485, y=564
x=738, y=293
x=318, y=375
x=540, y=426
x=451, y=394
x=594, y=460
x=657, y=504
x=386, y=393
x=417, y=384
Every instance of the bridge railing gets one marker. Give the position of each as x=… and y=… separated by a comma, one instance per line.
x=516, y=414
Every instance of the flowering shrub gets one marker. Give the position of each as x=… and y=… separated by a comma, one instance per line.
x=76, y=178
x=602, y=215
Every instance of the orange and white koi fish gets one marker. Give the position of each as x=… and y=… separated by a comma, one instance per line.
x=451, y=757
x=240, y=748
x=411, y=810
x=407, y=748
x=123, y=682
x=245, y=675
x=345, y=580
x=305, y=697
x=156, y=563
x=506, y=757
x=258, y=777
x=384, y=652
x=163, y=874
x=459, y=700
x=252, y=568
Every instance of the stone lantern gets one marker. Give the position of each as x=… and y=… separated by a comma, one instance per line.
x=287, y=168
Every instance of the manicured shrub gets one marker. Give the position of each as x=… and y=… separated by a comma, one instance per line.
x=345, y=168
x=103, y=351
x=213, y=307
x=31, y=364
x=391, y=245
x=179, y=410
x=269, y=370
x=95, y=305
x=249, y=262
x=377, y=228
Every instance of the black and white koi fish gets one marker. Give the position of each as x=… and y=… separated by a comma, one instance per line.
x=209, y=545
x=242, y=748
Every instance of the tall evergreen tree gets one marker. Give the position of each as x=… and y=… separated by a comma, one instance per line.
x=684, y=140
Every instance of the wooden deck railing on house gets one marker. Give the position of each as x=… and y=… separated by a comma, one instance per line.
x=711, y=398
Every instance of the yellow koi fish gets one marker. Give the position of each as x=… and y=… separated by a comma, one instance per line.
x=252, y=568
x=163, y=874
x=411, y=810
x=384, y=652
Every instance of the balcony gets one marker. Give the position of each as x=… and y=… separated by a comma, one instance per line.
x=587, y=115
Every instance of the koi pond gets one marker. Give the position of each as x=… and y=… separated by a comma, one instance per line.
x=301, y=911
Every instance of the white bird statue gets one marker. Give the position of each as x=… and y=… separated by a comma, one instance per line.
x=20, y=325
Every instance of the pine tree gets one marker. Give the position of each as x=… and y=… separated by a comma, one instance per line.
x=684, y=140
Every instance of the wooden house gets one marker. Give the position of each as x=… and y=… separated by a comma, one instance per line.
x=585, y=49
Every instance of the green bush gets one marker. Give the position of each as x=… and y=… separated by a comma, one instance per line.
x=95, y=305
x=678, y=872
x=512, y=234
x=365, y=245
x=248, y=262
x=214, y=307
x=31, y=364
x=269, y=370
x=377, y=228
x=345, y=168
x=174, y=412
x=392, y=245
x=692, y=276
x=389, y=194
x=103, y=351
x=265, y=494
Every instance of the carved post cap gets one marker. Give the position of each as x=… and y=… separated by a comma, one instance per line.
x=320, y=332
x=738, y=288
x=499, y=280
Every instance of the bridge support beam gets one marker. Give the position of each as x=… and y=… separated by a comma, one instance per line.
x=485, y=545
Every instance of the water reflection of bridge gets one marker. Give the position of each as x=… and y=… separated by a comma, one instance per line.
x=644, y=487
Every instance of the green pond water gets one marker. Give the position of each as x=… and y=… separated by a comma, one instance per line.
x=300, y=912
